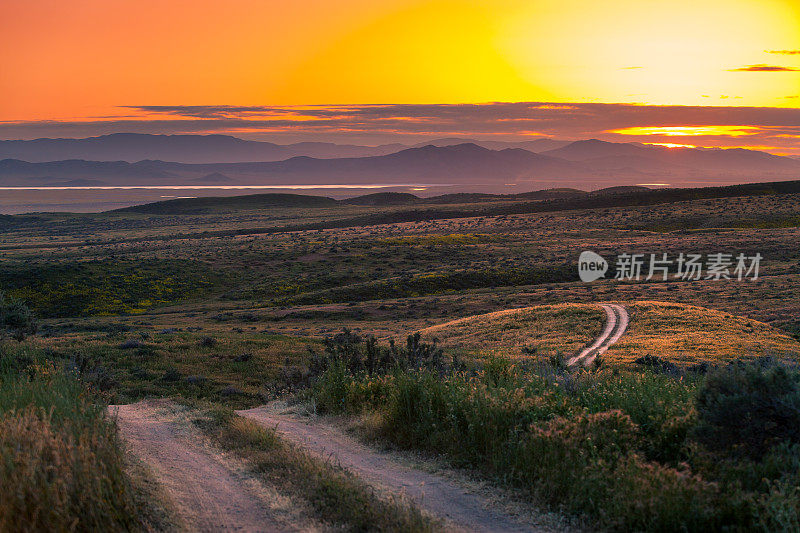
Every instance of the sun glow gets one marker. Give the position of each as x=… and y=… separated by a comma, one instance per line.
x=672, y=145
x=82, y=67
x=689, y=131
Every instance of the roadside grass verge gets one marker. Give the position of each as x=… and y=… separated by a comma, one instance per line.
x=62, y=467
x=336, y=496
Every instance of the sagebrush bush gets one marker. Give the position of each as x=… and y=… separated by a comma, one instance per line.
x=546, y=443
x=357, y=354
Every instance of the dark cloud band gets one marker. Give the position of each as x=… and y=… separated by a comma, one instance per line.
x=777, y=127
x=765, y=68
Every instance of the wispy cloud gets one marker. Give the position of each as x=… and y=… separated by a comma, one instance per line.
x=764, y=68
x=784, y=52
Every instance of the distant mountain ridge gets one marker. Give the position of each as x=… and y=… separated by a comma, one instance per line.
x=582, y=164
x=134, y=147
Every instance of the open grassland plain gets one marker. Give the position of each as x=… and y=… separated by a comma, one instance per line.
x=689, y=422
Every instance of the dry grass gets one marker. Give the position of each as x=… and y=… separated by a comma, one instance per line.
x=546, y=328
x=686, y=335
x=61, y=468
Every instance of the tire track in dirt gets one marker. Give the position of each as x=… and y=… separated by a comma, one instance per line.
x=617, y=320
x=207, y=495
x=436, y=494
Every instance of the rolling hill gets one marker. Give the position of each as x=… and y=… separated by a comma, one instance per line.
x=680, y=334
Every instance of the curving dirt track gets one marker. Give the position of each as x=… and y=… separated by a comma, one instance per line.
x=207, y=495
x=442, y=497
x=617, y=320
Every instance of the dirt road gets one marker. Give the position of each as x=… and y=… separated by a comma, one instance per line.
x=617, y=320
x=462, y=509
x=207, y=495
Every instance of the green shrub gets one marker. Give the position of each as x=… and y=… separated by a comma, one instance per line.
x=588, y=463
x=612, y=445
x=16, y=319
x=746, y=409
x=779, y=509
x=635, y=450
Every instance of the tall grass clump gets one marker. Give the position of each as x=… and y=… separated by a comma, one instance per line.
x=61, y=464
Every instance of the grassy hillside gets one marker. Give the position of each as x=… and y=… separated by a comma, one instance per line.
x=518, y=333
x=551, y=200
x=681, y=334
x=222, y=307
x=687, y=335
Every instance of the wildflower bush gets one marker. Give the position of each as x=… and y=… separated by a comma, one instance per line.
x=622, y=447
x=106, y=287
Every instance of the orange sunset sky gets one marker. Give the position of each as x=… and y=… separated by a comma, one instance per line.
x=376, y=71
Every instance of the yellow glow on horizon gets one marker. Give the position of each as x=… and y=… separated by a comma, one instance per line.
x=671, y=145
x=689, y=131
